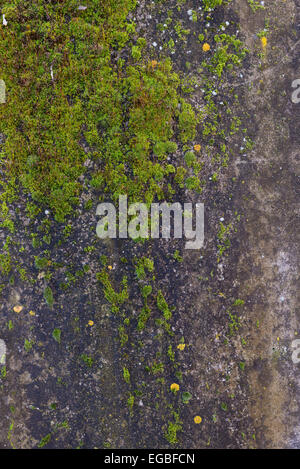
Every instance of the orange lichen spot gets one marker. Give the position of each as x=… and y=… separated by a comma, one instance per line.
x=154, y=63
x=197, y=148
x=181, y=346
x=90, y=323
x=264, y=42
x=197, y=419
x=18, y=308
x=174, y=387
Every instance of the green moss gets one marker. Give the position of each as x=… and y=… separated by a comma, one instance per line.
x=56, y=334
x=187, y=121
x=143, y=318
x=114, y=298
x=40, y=262
x=255, y=5
x=123, y=336
x=171, y=353
x=143, y=265
x=186, y=397
x=44, y=441
x=211, y=4
x=173, y=429
x=146, y=291
x=130, y=403
x=28, y=344
x=163, y=306
x=48, y=295
x=177, y=256
x=189, y=158
x=87, y=360
x=242, y=365
x=126, y=375
x=85, y=97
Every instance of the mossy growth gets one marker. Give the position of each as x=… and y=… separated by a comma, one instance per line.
x=114, y=298
x=163, y=306
x=62, y=87
x=48, y=295
x=126, y=375
x=143, y=265
x=173, y=429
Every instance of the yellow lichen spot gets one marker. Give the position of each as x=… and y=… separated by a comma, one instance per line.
x=18, y=308
x=278, y=339
x=154, y=63
x=264, y=42
x=32, y=313
x=181, y=346
x=109, y=267
x=174, y=387
x=197, y=148
x=91, y=323
x=197, y=419
x=206, y=47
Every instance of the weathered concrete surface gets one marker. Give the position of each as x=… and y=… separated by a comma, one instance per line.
x=267, y=268
x=49, y=389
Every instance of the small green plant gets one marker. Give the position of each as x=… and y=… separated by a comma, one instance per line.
x=48, y=295
x=3, y=372
x=143, y=318
x=142, y=265
x=126, y=375
x=239, y=302
x=10, y=325
x=146, y=291
x=163, y=306
x=177, y=256
x=40, y=262
x=123, y=336
x=234, y=323
x=255, y=5
x=44, y=441
x=224, y=406
x=56, y=334
x=87, y=359
x=171, y=353
x=130, y=403
x=28, y=344
x=186, y=397
x=212, y=4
